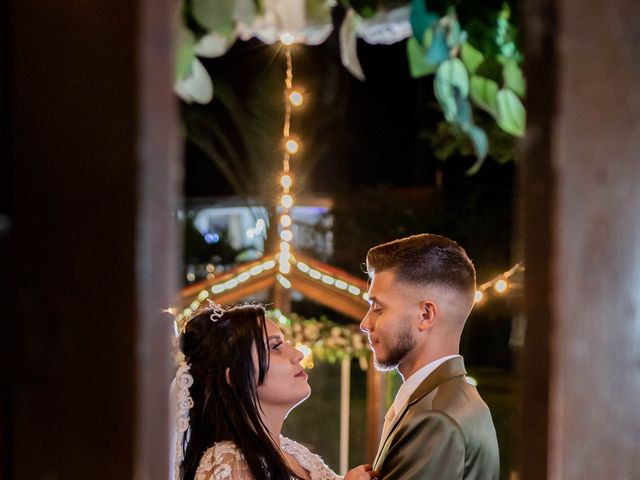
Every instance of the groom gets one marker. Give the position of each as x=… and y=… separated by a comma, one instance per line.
x=421, y=292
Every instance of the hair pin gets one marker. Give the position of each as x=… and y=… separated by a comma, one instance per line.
x=217, y=313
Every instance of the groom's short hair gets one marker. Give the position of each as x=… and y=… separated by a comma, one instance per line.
x=425, y=259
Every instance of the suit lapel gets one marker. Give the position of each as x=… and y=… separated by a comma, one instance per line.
x=449, y=369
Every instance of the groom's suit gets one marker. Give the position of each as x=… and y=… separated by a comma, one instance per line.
x=444, y=432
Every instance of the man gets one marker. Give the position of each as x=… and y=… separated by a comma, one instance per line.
x=421, y=292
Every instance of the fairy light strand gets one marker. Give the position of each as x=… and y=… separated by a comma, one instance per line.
x=292, y=98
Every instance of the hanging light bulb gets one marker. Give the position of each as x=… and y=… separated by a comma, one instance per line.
x=286, y=201
x=285, y=221
x=501, y=286
x=296, y=98
x=292, y=146
x=286, y=181
x=287, y=38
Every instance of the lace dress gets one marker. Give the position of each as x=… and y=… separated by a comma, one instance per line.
x=224, y=461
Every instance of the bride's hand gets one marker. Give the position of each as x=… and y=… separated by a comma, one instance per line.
x=363, y=472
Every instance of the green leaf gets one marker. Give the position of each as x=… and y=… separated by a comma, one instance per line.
x=417, y=66
x=185, y=52
x=484, y=93
x=471, y=57
x=513, y=78
x=451, y=82
x=213, y=14
x=490, y=69
x=420, y=18
x=455, y=35
x=480, y=144
x=438, y=51
x=511, y=113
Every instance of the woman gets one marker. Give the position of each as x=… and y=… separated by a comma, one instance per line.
x=238, y=382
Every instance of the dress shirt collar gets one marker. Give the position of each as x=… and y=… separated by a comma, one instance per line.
x=414, y=381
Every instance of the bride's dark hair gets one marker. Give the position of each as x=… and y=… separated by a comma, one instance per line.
x=228, y=408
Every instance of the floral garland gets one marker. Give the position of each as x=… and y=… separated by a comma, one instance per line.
x=325, y=340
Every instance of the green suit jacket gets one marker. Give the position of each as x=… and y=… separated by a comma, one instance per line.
x=444, y=432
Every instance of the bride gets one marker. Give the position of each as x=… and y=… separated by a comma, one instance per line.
x=238, y=381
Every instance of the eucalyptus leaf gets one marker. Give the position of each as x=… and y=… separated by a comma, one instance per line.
x=420, y=18
x=213, y=14
x=196, y=86
x=513, y=78
x=438, y=51
x=415, y=54
x=185, y=53
x=511, y=113
x=484, y=93
x=455, y=34
x=471, y=57
x=348, y=45
x=215, y=44
x=480, y=144
x=451, y=82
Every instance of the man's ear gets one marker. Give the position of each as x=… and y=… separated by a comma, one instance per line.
x=428, y=313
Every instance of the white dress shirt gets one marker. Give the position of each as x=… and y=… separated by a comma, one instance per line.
x=407, y=388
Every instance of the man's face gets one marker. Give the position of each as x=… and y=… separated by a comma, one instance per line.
x=390, y=321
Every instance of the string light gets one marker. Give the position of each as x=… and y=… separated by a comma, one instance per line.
x=501, y=286
x=296, y=98
x=287, y=39
x=286, y=181
x=285, y=221
x=284, y=259
x=292, y=146
x=500, y=283
x=287, y=201
x=286, y=235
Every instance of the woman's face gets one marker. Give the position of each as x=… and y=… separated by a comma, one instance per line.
x=285, y=383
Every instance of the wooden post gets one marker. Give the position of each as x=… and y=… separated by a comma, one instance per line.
x=345, y=397
x=375, y=409
x=94, y=253
x=582, y=167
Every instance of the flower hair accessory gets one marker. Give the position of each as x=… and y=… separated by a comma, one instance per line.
x=183, y=381
x=217, y=313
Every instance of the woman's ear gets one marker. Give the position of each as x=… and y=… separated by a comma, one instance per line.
x=227, y=375
x=428, y=313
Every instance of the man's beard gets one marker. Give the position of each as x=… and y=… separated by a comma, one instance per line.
x=404, y=344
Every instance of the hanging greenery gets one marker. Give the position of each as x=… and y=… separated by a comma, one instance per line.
x=469, y=47
x=327, y=341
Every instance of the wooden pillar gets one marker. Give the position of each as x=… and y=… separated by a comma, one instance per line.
x=375, y=409
x=93, y=260
x=582, y=167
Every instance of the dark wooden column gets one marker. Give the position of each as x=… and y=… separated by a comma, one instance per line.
x=93, y=152
x=582, y=232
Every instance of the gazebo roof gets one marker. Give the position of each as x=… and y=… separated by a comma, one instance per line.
x=325, y=284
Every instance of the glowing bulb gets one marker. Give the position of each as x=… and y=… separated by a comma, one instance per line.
x=479, y=296
x=286, y=38
x=285, y=247
x=306, y=351
x=287, y=201
x=501, y=286
x=286, y=181
x=295, y=98
x=286, y=235
x=285, y=221
x=292, y=146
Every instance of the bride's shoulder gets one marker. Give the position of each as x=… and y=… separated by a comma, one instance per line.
x=223, y=461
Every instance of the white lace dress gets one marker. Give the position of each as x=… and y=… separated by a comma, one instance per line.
x=224, y=461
